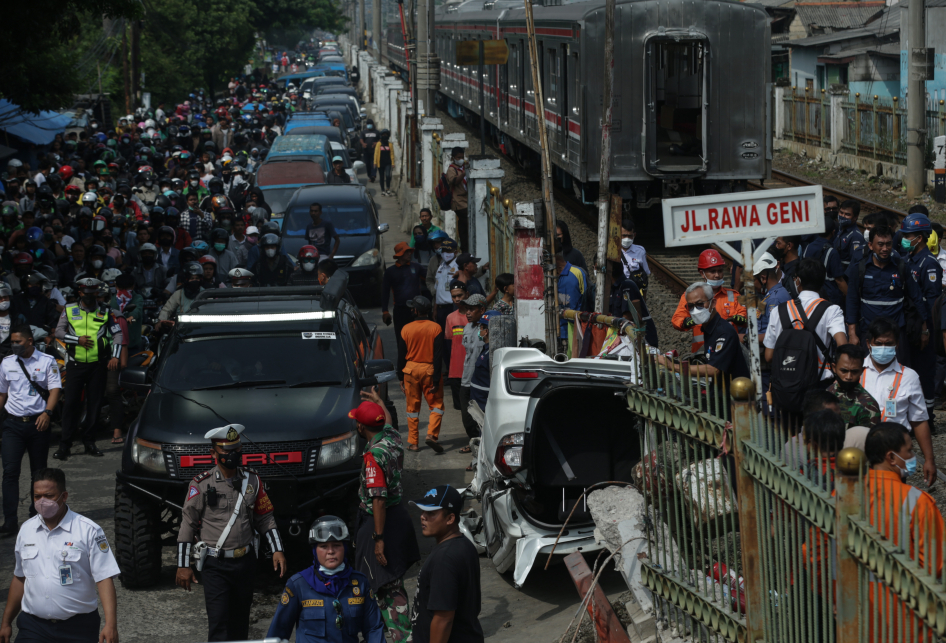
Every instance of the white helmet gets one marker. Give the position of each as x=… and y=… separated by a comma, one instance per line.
x=149, y=124
x=765, y=262
x=110, y=274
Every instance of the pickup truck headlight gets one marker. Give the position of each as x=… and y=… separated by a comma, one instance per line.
x=370, y=258
x=337, y=450
x=148, y=455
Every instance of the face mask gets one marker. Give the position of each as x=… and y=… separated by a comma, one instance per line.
x=777, y=253
x=883, y=354
x=90, y=302
x=4, y=305
x=47, y=508
x=308, y=266
x=448, y=256
x=47, y=236
x=34, y=292
x=331, y=572
x=191, y=288
x=220, y=247
x=270, y=252
x=148, y=184
x=845, y=222
x=165, y=243
x=700, y=315
x=910, y=467
x=194, y=184
x=230, y=460
x=226, y=224
x=17, y=349
x=847, y=386
x=627, y=243
x=906, y=244
x=715, y=283
x=147, y=260
x=97, y=264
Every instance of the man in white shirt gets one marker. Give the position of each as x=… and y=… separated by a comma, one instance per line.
x=62, y=558
x=897, y=389
x=809, y=278
x=30, y=385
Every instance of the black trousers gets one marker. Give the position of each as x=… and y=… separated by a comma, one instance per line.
x=469, y=424
x=402, y=317
x=454, y=383
x=81, y=628
x=113, y=393
x=463, y=230
x=228, y=592
x=88, y=377
x=20, y=438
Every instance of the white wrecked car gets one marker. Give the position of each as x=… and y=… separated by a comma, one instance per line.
x=551, y=430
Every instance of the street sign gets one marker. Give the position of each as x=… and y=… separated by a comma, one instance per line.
x=495, y=52
x=743, y=215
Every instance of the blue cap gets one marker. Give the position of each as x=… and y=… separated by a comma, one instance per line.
x=916, y=223
x=489, y=314
x=437, y=235
x=440, y=497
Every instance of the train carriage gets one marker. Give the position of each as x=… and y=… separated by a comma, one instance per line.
x=691, y=91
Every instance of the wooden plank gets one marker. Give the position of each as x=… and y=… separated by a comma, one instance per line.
x=606, y=621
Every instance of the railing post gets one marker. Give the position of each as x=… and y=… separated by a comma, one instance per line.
x=807, y=107
x=838, y=126
x=895, y=125
x=824, y=116
x=744, y=406
x=779, y=113
x=875, y=126
x=851, y=464
x=857, y=124
x=427, y=128
x=483, y=171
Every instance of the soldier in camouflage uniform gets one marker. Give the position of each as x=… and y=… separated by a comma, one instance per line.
x=385, y=542
x=858, y=407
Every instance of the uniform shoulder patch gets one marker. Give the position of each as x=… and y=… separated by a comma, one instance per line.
x=192, y=491
x=203, y=476
x=719, y=345
x=285, y=598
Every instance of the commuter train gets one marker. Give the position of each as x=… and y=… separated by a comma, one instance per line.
x=692, y=113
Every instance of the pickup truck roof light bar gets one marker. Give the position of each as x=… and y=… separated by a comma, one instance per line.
x=257, y=318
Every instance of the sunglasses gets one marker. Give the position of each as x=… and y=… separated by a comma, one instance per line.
x=338, y=613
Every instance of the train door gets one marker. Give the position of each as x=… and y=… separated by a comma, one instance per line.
x=573, y=110
x=563, y=98
x=504, y=89
x=675, y=101
x=552, y=103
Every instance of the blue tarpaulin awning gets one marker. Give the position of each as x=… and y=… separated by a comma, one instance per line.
x=39, y=129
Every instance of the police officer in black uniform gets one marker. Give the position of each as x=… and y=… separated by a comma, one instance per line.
x=849, y=242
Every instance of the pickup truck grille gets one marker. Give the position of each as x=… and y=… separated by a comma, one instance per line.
x=268, y=459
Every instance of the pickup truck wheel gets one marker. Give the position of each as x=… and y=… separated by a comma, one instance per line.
x=137, y=539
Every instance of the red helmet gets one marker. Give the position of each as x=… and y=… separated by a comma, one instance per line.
x=99, y=223
x=73, y=189
x=308, y=252
x=145, y=168
x=66, y=172
x=710, y=259
x=113, y=166
x=22, y=259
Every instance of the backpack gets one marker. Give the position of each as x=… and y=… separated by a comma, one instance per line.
x=795, y=366
x=443, y=193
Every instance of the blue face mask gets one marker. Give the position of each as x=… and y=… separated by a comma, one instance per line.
x=844, y=222
x=220, y=247
x=883, y=354
x=715, y=283
x=910, y=467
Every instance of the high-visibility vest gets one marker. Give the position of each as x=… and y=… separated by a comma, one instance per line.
x=83, y=322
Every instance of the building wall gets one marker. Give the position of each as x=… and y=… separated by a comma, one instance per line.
x=935, y=38
x=804, y=66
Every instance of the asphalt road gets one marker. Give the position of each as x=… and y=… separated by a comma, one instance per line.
x=539, y=612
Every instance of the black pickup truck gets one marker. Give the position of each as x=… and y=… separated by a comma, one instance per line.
x=288, y=364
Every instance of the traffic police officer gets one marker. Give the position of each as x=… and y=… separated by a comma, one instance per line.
x=928, y=275
x=93, y=339
x=877, y=286
x=225, y=505
x=849, y=242
x=328, y=592
x=62, y=558
x=29, y=389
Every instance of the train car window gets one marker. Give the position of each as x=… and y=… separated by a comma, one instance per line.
x=574, y=102
x=676, y=105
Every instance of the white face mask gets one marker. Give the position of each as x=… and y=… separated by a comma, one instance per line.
x=308, y=267
x=270, y=252
x=626, y=243
x=4, y=305
x=97, y=264
x=700, y=315
x=448, y=256
x=194, y=184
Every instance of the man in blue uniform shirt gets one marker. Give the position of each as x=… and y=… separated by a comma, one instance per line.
x=849, y=242
x=821, y=248
x=928, y=276
x=572, y=282
x=878, y=286
x=328, y=602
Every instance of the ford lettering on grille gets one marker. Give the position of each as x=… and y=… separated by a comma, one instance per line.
x=287, y=457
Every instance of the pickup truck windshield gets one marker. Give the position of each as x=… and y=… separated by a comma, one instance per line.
x=250, y=361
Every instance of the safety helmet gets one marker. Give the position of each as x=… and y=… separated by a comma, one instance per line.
x=99, y=223
x=36, y=279
x=110, y=274
x=66, y=172
x=193, y=175
x=438, y=235
x=34, y=234
x=916, y=222
x=765, y=262
x=5, y=289
x=207, y=259
x=709, y=259
x=192, y=269
x=22, y=259
x=84, y=212
x=9, y=210
x=308, y=252
x=89, y=199
x=148, y=247
x=933, y=242
x=219, y=233
x=97, y=251
x=269, y=240
x=200, y=247
x=270, y=227
x=328, y=529
x=73, y=189
x=219, y=202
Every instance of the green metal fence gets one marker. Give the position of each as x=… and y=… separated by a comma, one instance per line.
x=807, y=117
x=757, y=533
x=501, y=232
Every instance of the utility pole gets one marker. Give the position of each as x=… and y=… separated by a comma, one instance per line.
x=551, y=278
x=362, y=25
x=916, y=99
x=125, y=67
x=604, y=182
x=423, y=51
x=135, y=62
x=432, y=63
x=376, y=26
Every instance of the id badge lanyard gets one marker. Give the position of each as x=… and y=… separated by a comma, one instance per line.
x=65, y=571
x=890, y=404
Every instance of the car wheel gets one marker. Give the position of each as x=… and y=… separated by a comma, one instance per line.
x=137, y=539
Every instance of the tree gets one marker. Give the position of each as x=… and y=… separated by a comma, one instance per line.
x=38, y=49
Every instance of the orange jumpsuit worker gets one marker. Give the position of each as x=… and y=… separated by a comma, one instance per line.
x=712, y=267
x=423, y=360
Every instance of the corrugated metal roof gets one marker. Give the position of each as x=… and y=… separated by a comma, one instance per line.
x=889, y=49
x=929, y=3
x=837, y=15
x=888, y=22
